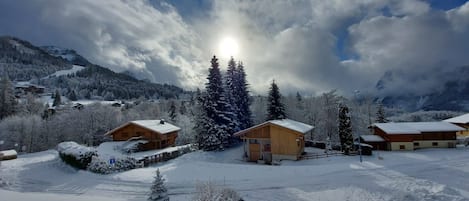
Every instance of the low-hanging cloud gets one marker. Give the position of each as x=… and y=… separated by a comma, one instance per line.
x=294, y=42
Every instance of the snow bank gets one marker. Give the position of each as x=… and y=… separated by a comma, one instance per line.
x=76, y=155
x=74, y=149
x=9, y=153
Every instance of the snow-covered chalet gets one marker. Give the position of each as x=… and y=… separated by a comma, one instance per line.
x=415, y=135
x=462, y=121
x=274, y=140
x=158, y=134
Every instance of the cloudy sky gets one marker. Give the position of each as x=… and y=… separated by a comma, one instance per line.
x=309, y=46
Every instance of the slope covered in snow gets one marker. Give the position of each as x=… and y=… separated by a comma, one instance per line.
x=428, y=174
x=75, y=69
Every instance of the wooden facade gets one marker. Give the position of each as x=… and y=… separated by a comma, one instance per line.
x=427, y=138
x=156, y=140
x=269, y=141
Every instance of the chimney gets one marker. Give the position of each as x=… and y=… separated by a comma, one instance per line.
x=162, y=121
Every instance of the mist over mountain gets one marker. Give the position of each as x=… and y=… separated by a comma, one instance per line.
x=438, y=89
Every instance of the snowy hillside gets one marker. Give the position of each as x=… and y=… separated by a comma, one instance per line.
x=431, y=174
x=72, y=71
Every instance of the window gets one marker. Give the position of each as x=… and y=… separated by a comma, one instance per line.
x=163, y=143
x=401, y=146
x=253, y=141
x=125, y=135
x=435, y=144
x=416, y=144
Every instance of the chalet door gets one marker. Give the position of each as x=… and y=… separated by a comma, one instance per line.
x=254, y=152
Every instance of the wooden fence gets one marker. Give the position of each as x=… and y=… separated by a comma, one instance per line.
x=319, y=155
x=165, y=156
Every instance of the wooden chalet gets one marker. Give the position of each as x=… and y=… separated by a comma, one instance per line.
x=416, y=135
x=461, y=121
x=22, y=88
x=274, y=140
x=158, y=133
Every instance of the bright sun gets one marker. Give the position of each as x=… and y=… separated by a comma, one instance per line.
x=228, y=47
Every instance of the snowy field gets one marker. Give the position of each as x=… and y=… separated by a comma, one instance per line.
x=430, y=174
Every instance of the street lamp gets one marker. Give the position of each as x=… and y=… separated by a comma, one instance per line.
x=356, y=92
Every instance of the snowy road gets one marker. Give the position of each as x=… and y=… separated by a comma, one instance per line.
x=434, y=174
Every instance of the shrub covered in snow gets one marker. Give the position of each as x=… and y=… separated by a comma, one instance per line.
x=209, y=191
x=76, y=155
x=100, y=166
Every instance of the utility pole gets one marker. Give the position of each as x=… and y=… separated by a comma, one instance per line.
x=356, y=92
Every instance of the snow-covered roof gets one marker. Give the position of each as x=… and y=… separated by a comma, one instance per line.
x=286, y=123
x=293, y=125
x=417, y=127
x=463, y=119
x=154, y=125
x=372, y=138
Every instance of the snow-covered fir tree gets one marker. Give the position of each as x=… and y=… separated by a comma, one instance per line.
x=182, y=108
x=243, y=100
x=72, y=95
x=380, y=115
x=345, y=129
x=8, y=101
x=231, y=88
x=158, y=189
x=57, y=98
x=217, y=108
x=275, y=107
x=172, y=111
x=202, y=124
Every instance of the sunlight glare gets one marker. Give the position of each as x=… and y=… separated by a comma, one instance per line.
x=228, y=47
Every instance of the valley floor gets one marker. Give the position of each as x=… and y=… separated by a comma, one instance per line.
x=430, y=174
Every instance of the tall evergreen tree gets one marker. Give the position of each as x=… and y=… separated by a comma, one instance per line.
x=158, y=189
x=380, y=115
x=203, y=125
x=217, y=108
x=243, y=100
x=182, y=108
x=231, y=92
x=8, y=101
x=275, y=107
x=345, y=129
x=172, y=111
x=72, y=96
x=57, y=99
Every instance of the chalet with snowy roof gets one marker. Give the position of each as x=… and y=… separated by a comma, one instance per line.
x=157, y=134
x=22, y=88
x=462, y=121
x=416, y=135
x=274, y=140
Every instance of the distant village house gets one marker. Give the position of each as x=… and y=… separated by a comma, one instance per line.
x=274, y=140
x=158, y=133
x=462, y=121
x=22, y=89
x=413, y=135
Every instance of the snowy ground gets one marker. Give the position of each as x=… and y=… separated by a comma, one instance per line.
x=429, y=174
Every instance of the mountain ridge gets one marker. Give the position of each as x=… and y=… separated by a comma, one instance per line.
x=23, y=61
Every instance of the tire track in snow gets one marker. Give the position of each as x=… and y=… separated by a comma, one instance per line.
x=409, y=188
